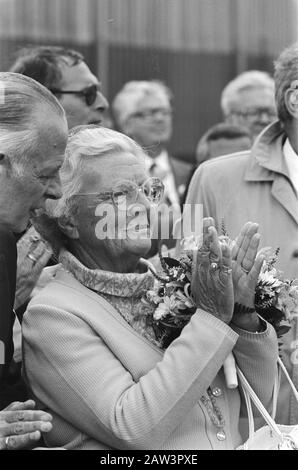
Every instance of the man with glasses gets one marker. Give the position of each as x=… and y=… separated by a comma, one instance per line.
x=66, y=74
x=262, y=185
x=143, y=111
x=248, y=101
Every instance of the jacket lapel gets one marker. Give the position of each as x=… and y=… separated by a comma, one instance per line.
x=267, y=163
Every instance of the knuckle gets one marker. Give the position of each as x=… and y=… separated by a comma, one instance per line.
x=13, y=442
x=19, y=428
x=20, y=416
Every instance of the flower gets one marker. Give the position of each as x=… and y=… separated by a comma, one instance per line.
x=171, y=298
x=166, y=307
x=276, y=298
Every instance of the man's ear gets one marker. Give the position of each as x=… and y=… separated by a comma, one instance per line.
x=291, y=102
x=68, y=226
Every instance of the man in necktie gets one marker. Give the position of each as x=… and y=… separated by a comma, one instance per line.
x=143, y=111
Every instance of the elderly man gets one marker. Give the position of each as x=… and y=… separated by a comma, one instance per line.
x=33, y=137
x=65, y=73
x=262, y=185
x=142, y=110
x=248, y=101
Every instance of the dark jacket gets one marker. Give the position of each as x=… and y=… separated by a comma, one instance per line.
x=11, y=387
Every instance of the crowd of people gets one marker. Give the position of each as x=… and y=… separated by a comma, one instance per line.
x=83, y=211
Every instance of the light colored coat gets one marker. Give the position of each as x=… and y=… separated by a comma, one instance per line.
x=255, y=186
x=108, y=387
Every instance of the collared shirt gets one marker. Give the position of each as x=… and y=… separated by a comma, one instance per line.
x=160, y=166
x=291, y=158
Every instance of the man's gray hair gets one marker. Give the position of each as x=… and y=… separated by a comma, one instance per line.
x=286, y=72
x=231, y=94
x=127, y=100
x=20, y=97
x=85, y=143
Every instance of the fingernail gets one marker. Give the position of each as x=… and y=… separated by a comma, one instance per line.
x=46, y=417
x=35, y=435
x=46, y=427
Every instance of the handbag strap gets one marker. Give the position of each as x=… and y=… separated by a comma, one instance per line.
x=250, y=395
x=283, y=368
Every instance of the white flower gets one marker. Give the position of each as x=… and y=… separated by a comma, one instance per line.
x=152, y=296
x=165, y=307
x=267, y=277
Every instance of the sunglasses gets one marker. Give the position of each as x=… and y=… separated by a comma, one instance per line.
x=89, y=93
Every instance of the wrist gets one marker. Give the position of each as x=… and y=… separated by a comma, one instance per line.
x=241, y=309
x=246, y=318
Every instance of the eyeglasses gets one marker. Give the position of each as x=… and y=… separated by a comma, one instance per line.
x=126, y=192
x=153, y=113
x=89, y=93
x=256, y=112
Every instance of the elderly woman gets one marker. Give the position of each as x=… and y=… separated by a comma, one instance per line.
x=89, y=357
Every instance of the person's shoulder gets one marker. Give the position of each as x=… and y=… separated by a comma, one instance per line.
x=220, y=168
x=232, y=160
x=61, y=288
x=66, y=294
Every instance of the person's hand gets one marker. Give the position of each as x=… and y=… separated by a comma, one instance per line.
x=246, y=265
x=21, y=425
x=33, y=255
x=212, y=285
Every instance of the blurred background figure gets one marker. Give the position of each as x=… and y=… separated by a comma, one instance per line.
x=65, y=73
x=143, y=111
x=222, y=139
x=248, y=101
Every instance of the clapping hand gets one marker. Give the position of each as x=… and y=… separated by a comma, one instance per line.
x=21, y=425
x=212, y=285
x=246, y=269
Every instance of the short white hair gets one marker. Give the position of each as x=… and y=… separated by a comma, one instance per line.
x=127, y=100
x=87, y=142
x=231, y=94
x=20, y=97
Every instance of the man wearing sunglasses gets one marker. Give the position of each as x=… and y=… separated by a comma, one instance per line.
x=65, y=73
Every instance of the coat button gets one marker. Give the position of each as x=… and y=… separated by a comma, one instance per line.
x=295, y=254
x=217, y=392
x=221, y=436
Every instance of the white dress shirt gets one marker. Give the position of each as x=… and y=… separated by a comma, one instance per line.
x=160, y=166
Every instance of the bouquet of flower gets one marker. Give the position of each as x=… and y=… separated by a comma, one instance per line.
x=171, y=298
x=276, y=298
